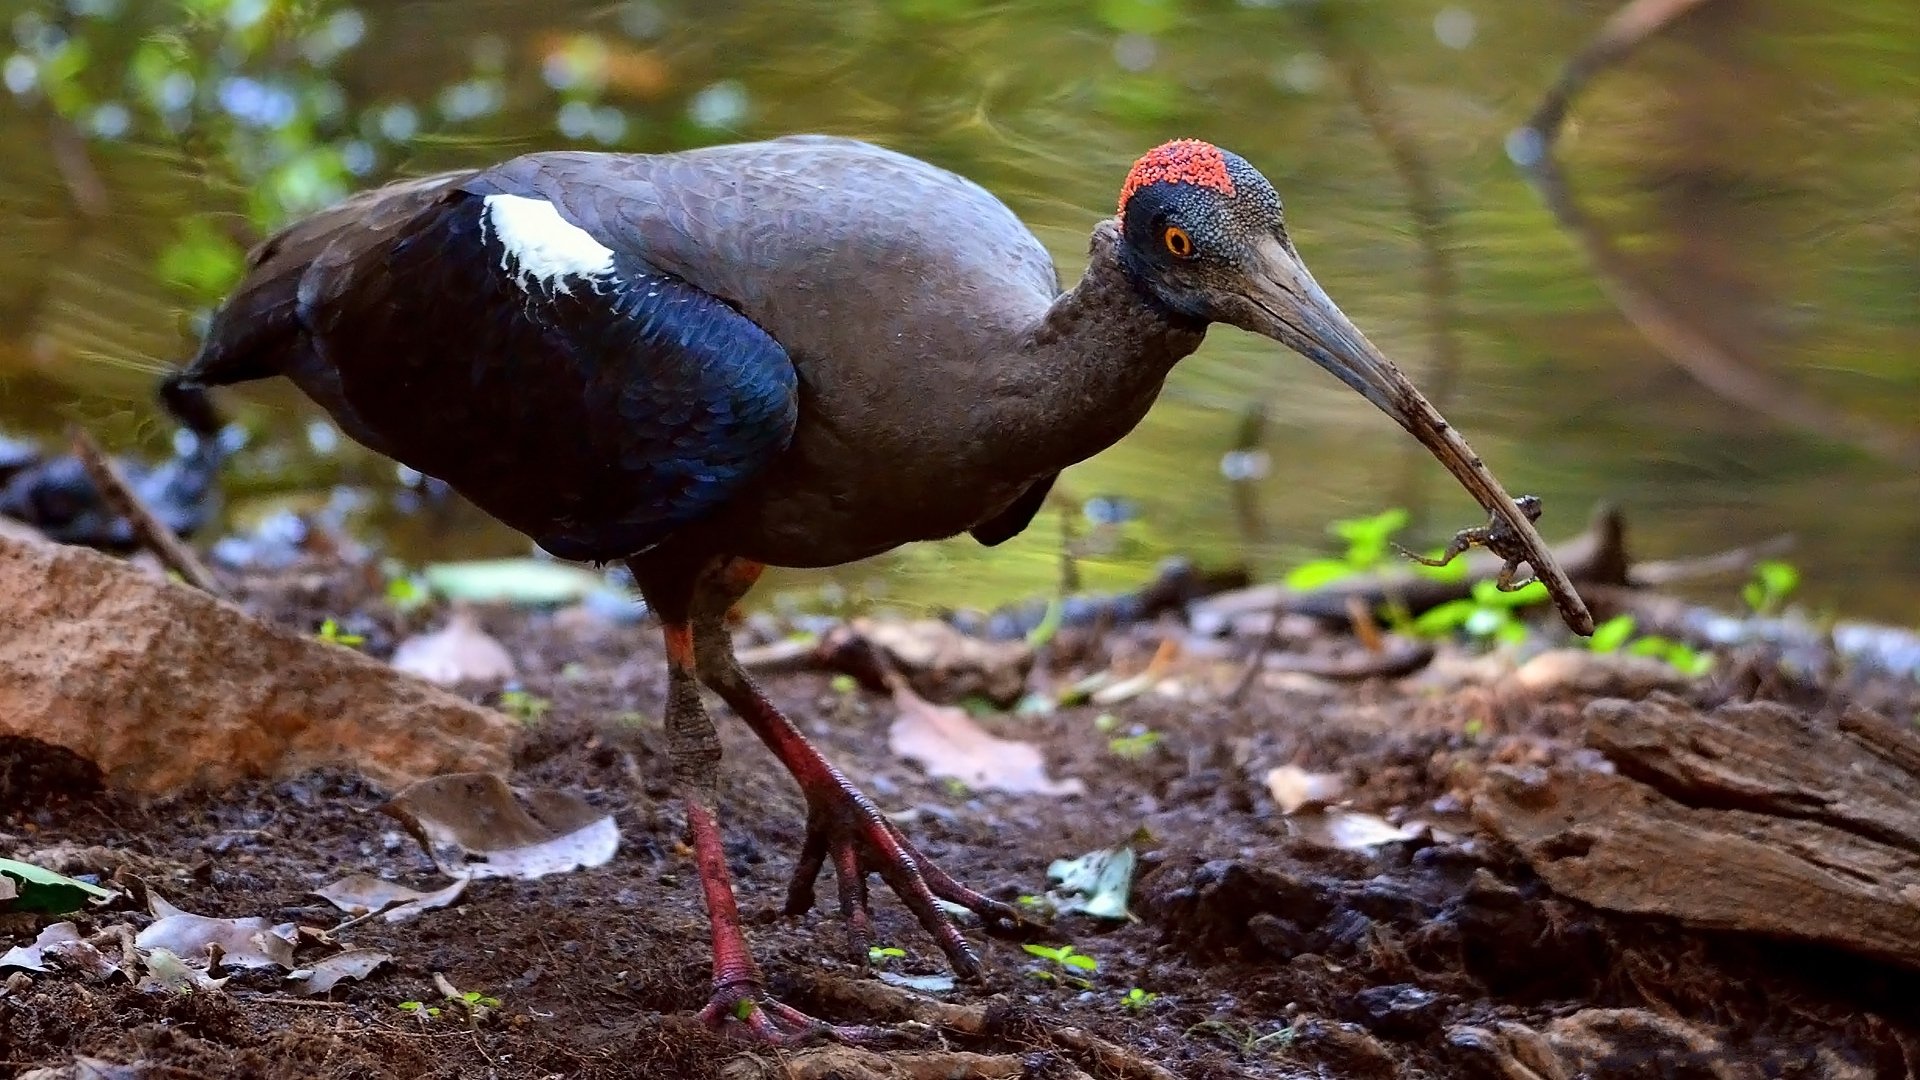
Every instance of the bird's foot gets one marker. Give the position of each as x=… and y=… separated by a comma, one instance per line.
x=845, y=828
x=745, y=1010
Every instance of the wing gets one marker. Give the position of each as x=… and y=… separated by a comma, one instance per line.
x=567, y=387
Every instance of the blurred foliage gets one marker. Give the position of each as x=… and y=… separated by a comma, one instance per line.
x=1759, y=162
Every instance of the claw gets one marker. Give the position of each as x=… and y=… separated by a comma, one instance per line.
x=745, y=1010
x=844, y=827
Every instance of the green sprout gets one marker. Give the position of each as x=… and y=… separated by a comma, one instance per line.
x=330, y=631
x=1488, y=614
x=407, y=592
x=1367, y=540
x=524, y=707
x=1137, y=998
x=878, y=955
x=1037, y=904
x=1609, y=636
x=1616, y=635
x=956, y=788
x=420, y=1009
x=1065, y=956
x=1136, y=746
x=843, y=684
x=1773, y=581
x=1683, y=657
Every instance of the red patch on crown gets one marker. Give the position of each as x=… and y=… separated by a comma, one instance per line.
x=1182, y=161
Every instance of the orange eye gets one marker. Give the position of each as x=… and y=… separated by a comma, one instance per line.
x=1178, y=242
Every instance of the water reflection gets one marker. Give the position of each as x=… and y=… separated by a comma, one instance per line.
x=1758, y=165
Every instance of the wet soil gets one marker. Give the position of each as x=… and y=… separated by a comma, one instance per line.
x=1267, y=954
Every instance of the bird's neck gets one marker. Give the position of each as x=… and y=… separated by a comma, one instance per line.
x=1088, y=369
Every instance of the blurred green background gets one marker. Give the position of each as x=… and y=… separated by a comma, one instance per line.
x=1758, y=165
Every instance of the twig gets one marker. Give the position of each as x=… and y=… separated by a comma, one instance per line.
x=397, y=901
x=1738, y=560
x=1259, y=658
x=147, y=529
x=879, y=998
x=1714, y=364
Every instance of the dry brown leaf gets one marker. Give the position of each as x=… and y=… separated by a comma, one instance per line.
x=1294, y=788
x=61, y=948
x=1347, y=830
x=474, y=825
x=360, y=894
x=457, y=653
x=248, y=942
x=355, y=964
x=950, y=744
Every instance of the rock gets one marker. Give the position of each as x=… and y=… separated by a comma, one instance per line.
x=164, y=687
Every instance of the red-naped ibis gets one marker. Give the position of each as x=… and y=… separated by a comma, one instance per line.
x=794, y=353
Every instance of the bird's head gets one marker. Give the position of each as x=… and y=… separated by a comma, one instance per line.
x=1202, y=231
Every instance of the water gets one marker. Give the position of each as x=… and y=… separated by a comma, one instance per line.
x=1757, y=164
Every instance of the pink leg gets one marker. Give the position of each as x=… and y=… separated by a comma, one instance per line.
x=740, y=1002
x=843, y=825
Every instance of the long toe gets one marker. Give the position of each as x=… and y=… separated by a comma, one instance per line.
x=746, y=1011
x=846, y=830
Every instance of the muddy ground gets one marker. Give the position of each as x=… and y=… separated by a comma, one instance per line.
x=1267, y=954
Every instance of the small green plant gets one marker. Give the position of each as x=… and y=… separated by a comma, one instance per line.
x=1136, y=746
x=1037, y=904
x=330, y=631
x=524, y=707
x=1488, y=614
x=1683, y=657
x=477, y=1003
x=843, y=684
x=1616, y=635
x=1772, y=582
x=406, y=592
x=1137, y=998
x=956, y=788
x=1067, y=960
x=1367, y=540
x=1610, y=635
x=420, y=1009
x=878, y=955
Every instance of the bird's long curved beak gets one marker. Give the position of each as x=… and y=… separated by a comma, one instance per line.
x=1291, y=308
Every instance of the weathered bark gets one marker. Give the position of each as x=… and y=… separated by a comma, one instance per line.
x=1755, y=818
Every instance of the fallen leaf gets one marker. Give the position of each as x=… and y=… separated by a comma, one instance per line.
x=474, y=825
x=1096, y=883
x=1294, y=788
x=359, y=894
x=355, y=964
x=1348, y=830
x=36, y=888
x=926, y=984
x=529, y=582
x=167, y=972
x=949, y=743
x=89, y=1068
x=250, y=942
x=52, y=948
x=459, y=652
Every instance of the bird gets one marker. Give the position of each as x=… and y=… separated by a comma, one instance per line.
x=796, y=352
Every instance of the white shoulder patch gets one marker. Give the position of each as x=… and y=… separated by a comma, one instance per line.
x=541, y=246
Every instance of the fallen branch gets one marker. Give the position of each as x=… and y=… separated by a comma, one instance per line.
x=849, y=1063
x=881, y=1000
x=1713, y=363
x=148, y=530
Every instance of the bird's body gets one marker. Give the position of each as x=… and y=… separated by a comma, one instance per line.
x=799, y=352
x=873, y=325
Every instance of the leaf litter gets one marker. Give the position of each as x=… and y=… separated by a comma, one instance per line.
x=251, y=942
x=473, y=825
x=1096, y=884
x=949, y=744
x=363, y=895
x=458, y=653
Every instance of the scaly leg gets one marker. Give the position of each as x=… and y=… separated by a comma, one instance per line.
x=843, y=825
x=740, y=1002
